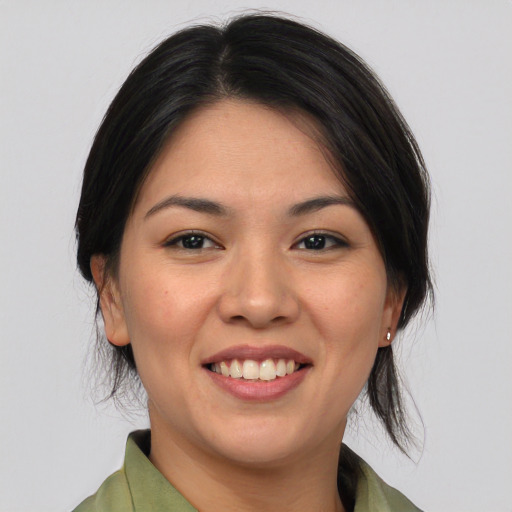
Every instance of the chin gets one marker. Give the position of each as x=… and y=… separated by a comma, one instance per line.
x=260, y=454
x=258, y=445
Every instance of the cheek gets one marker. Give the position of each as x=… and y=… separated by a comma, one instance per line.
x=349, y=318
x=348, y=309
x=163, y=315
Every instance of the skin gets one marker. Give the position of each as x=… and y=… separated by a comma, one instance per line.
x=254, y=282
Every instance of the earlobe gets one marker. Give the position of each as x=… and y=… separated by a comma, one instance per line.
x=110, y=303
x=392, y=311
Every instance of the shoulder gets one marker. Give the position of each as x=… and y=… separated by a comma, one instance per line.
x=376, y=495
x=114, y=494
x=138, y=486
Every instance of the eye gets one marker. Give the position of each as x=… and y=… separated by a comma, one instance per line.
x=191, y=242
x=320, y=242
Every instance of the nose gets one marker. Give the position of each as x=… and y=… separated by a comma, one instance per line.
x=258, y=292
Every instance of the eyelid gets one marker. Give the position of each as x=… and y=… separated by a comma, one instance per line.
x=172, y=240
x=340, y=241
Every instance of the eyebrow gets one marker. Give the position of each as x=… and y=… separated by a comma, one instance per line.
x=213, y=208
x=318, y=203
x=192, y=203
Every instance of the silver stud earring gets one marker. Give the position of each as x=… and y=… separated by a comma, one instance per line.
x=388, y=335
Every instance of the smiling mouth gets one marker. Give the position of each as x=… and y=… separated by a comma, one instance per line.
x=250, y=369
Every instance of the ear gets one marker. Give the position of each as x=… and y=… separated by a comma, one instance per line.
x=110, y=303
x=392, y=310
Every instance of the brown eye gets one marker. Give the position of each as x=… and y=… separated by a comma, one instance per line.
x=319, y=242
x=191, y=242
x=315, y=242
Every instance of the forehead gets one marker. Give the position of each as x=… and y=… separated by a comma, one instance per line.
x=243, y=150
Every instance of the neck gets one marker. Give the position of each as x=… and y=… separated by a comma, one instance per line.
x=308, y=482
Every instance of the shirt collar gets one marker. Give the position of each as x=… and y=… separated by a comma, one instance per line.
x=148, y=487
x=150, y=490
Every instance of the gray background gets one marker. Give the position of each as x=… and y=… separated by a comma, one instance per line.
x=449, y=67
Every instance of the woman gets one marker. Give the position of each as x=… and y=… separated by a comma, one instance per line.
x=254, y=216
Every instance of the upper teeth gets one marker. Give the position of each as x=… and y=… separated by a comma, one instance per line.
x=268, y=369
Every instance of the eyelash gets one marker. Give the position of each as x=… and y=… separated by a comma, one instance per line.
x=336, y=242
x=173, y=242
x=325, y=238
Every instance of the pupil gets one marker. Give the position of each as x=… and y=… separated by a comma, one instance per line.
x=193, y=242
x=315, y=242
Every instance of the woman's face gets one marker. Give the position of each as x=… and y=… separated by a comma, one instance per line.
x=245, y=256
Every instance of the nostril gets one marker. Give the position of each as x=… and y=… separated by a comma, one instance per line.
x=239, y=320
x=258, y=307
x=257, y=322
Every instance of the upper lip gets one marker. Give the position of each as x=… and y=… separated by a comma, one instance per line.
x=259, y=353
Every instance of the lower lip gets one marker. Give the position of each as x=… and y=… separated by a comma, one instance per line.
x=257, y=390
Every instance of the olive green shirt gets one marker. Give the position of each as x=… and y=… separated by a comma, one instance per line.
x=139, y=486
